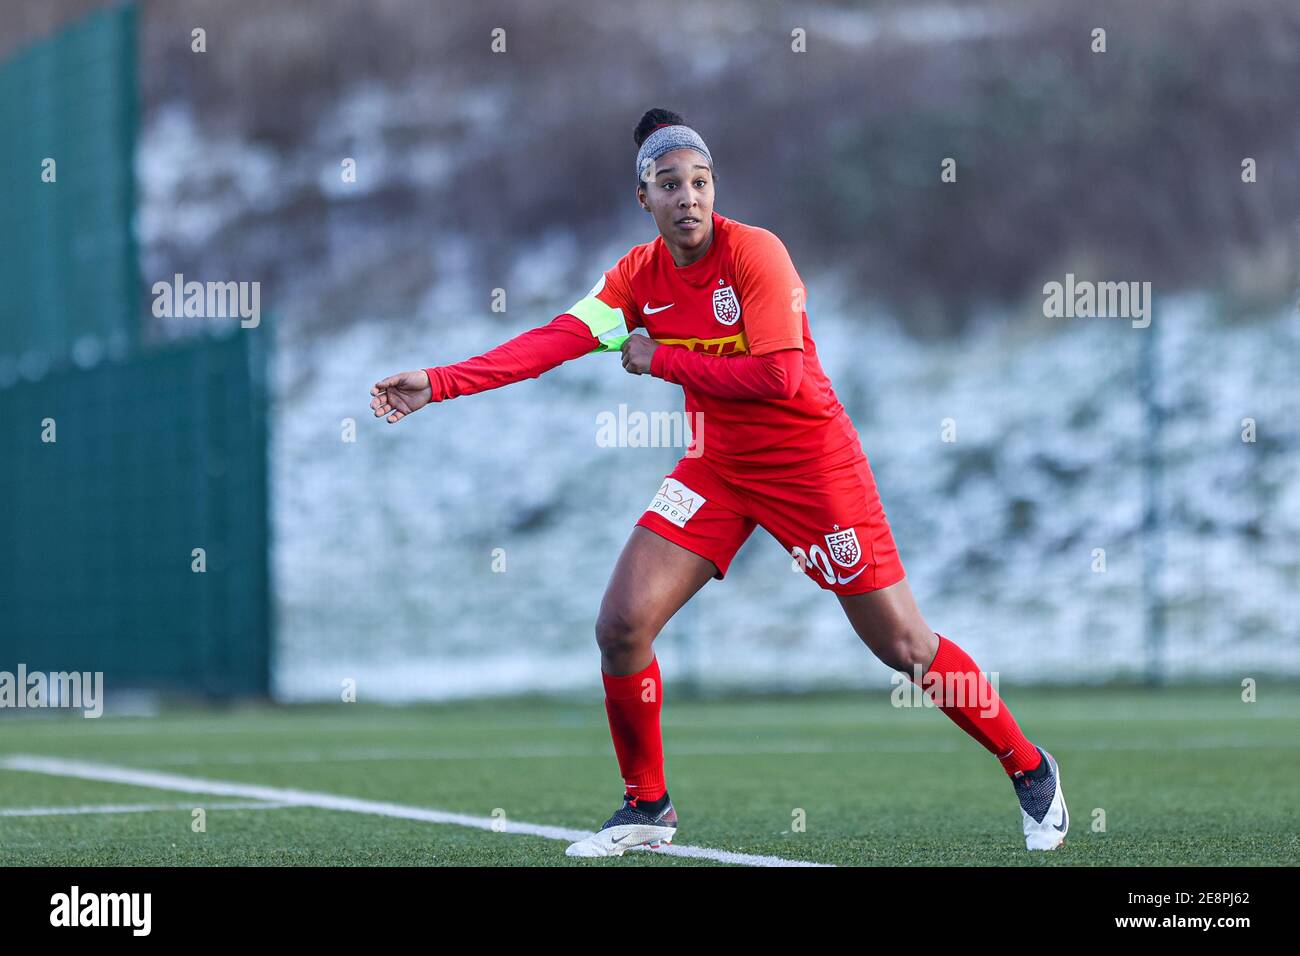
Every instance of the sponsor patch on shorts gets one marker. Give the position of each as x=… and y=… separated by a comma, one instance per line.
x=676, y=502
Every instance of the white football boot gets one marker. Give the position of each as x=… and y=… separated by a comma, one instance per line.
x=629, y=826
x=1044, y=817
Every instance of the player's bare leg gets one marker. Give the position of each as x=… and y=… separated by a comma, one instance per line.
x=651, y=581
x=890, y=624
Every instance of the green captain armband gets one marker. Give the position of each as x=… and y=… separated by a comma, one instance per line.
x=606, y=323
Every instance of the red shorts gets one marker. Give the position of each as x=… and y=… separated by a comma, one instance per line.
x=830, y=522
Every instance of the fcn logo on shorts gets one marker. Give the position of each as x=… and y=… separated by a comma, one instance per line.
x=844, y=551
x=843, y=546
x=676, y=502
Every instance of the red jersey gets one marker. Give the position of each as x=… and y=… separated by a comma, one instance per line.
x=743, y=297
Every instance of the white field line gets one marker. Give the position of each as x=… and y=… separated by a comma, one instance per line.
x=862, y=719
x=697, y=749
x=540, y=751
x=134, y=808
x=59, y=767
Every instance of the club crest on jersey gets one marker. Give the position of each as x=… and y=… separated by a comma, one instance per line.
x=843, y=546
x=726, y=307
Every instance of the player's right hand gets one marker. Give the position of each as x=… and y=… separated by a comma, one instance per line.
x=399, y=395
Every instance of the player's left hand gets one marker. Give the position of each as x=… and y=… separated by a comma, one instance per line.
x=637, y=351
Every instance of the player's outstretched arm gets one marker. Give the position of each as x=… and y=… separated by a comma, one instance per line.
x=527, y=355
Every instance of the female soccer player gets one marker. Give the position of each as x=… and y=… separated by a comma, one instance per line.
x=724, y=311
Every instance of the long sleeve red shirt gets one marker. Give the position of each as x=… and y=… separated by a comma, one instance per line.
x=529, y=354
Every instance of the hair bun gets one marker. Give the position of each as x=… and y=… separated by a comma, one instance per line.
x=652, y=118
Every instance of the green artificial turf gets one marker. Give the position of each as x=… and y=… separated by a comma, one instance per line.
x=1183, y=776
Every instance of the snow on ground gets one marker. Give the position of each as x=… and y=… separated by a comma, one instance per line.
x=384, y=547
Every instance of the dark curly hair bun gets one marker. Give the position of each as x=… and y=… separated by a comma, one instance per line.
x=653, y=118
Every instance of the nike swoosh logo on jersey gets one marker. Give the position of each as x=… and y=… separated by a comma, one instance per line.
x=844, y=580
x=649, y=311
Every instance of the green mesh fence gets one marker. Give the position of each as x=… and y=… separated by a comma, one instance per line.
x=154, y=454
x=152, y=458
x=67, y=260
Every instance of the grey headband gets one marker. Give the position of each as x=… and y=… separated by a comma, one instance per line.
x=664, y=140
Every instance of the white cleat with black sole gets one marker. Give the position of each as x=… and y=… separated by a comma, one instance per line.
x=630, y=826
x=1042, y=804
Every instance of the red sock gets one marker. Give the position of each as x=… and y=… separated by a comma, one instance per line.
x=633, y=703
x=962, y=692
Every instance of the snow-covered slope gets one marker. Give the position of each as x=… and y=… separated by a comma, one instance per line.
x=384, y=547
